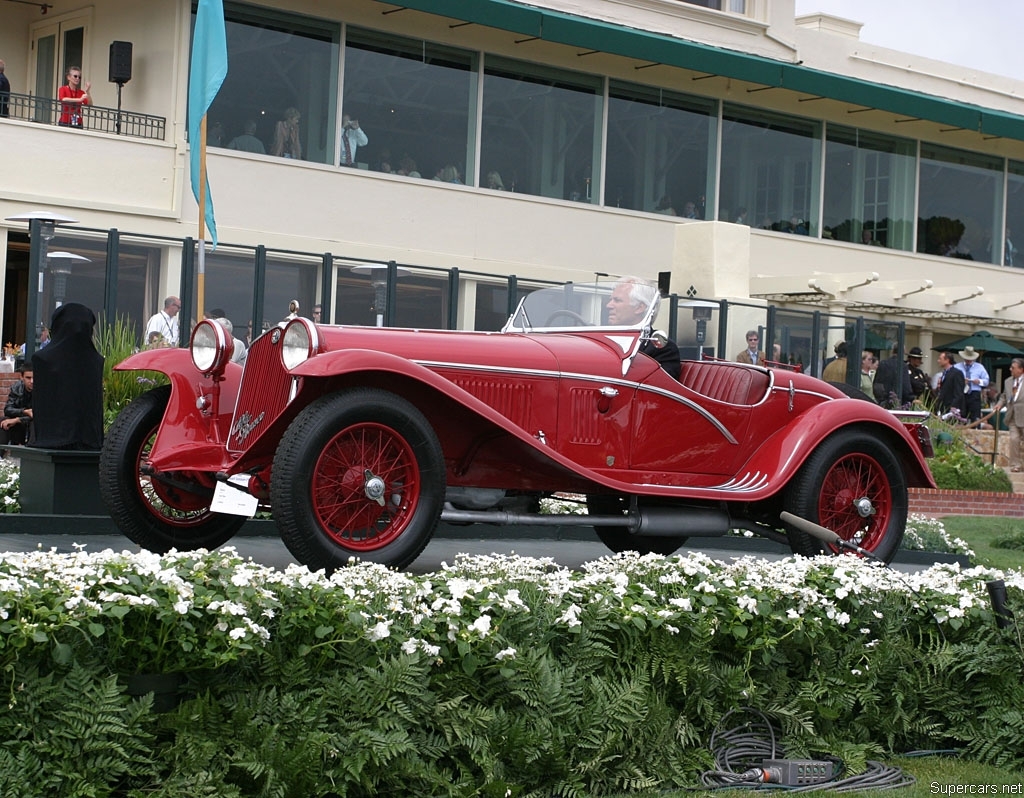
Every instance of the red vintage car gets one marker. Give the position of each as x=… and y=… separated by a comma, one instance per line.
x=360, y=440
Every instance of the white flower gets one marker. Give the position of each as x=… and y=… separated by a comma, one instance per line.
x=571, y=617
x=380, y=630
x=505, y=653
x=748, y=603
x=481, y=625
x=237, y=633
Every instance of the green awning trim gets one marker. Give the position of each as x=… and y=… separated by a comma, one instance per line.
x=590, y=34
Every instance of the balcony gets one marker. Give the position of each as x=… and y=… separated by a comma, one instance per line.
x=46, y=111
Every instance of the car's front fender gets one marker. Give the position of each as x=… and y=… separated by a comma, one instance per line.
x=185, y=423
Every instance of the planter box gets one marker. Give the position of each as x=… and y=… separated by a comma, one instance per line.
x=59, y=482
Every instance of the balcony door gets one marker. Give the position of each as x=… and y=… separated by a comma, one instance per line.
x=56, y=45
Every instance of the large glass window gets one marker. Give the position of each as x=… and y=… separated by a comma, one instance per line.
x=961, y=202
x=541, y=130
x=413, y=101
x=869, y=188
x=76, y=271
x=1013, y=241
x=659, y=154
x=229, y=285
x=420, y=298
x=769, y=171
x=280, y=66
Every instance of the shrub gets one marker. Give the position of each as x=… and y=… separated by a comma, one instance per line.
x=956, y=466
x=496, y=676
x=116, y=342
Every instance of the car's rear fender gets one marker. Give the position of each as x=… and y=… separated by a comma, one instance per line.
x=782, y=454
x=185, y=427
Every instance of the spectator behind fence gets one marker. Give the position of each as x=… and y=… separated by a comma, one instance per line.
x=891, y=386
x=5, y=91
x=949, y=388
x=16, y=426
x=975, y=381
x=165, y=322
x=73, y=98
x=67, y=400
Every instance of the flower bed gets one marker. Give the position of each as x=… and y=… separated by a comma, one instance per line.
x=496, y=676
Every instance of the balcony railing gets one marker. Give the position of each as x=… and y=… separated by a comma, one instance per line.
x=47, y=111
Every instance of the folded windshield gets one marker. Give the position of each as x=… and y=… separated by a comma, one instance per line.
x=629, y=303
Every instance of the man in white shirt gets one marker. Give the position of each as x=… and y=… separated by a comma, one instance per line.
x=166, y=322
x=975, y=380
x=352, y=138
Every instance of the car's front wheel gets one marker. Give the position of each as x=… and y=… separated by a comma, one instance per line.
x=162, y=512
x=358, y=474
x=854, y=485
x=619, y=538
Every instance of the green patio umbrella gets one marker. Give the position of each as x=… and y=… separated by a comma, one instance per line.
x=984, y=341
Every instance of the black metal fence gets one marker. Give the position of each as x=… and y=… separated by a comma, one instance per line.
x=46, y=111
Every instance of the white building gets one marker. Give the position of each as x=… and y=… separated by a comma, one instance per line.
x=865, y=182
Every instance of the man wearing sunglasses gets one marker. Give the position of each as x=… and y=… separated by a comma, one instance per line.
x=73, y=98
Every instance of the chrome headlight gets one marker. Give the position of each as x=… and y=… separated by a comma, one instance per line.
x=211, y=347
x=301, y=342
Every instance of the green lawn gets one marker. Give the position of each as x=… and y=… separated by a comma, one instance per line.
x=934, y=774
x=985, y=535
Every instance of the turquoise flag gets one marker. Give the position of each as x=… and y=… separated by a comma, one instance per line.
x=207, y=73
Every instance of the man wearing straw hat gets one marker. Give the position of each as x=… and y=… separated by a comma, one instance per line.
x=975, y=381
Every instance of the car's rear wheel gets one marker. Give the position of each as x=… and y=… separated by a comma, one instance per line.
x=854, y=485
x=158, y=514
x=358, y=474
x=619, y=538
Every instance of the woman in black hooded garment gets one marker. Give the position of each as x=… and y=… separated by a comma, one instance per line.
x=67, y=401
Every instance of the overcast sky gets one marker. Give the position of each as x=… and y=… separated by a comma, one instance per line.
x=983, y=34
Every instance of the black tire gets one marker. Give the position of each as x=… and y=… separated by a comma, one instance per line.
x=846, y=467
x=156, y=515
x=333, y=456
x=619, y=538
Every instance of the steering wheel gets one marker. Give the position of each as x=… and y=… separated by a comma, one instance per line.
x=566, y=312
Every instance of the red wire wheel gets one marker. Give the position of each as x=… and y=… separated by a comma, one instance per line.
x=366, y=486
x=854, y=485
x=358, y=474
x=158, y=514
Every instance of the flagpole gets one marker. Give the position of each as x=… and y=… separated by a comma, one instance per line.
x=201, y=260
x=207, y=70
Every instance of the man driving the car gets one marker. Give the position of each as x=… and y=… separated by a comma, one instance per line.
x=627, y=305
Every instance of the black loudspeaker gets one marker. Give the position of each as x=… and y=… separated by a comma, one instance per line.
x=664, y=282
x=120, y=62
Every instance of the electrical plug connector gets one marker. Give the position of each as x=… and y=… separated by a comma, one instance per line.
x=797, y=772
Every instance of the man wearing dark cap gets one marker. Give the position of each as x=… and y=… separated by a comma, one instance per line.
x=919, y=380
